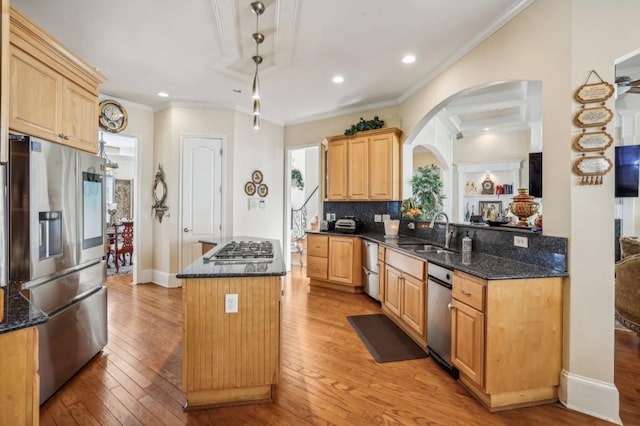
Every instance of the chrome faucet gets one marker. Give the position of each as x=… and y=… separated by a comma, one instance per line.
x=447, y=233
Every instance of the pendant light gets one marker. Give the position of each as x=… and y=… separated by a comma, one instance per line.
x=257, y=7
x=102, y=153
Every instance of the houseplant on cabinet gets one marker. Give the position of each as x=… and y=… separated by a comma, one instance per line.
x=426, y=187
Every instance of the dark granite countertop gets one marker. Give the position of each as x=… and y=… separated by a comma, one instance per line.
x=207, y=267
x=19, y=312
x=484, y=266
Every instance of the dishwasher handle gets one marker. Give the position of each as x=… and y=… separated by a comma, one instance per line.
x=440, y=282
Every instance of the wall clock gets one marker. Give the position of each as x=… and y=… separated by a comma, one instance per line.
x=113, y=116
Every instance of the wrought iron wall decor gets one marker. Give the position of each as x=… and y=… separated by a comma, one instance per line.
x=160, y=194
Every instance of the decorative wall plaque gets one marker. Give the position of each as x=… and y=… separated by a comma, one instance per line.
x=592, y=141
x=593, y=117
x=596, y=92
x=591, y=169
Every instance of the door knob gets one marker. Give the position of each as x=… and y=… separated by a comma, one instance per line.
x=187, y=229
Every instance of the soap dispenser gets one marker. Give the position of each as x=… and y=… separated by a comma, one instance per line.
x=467, y=243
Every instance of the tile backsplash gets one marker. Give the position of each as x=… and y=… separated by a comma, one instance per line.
x=365, y=211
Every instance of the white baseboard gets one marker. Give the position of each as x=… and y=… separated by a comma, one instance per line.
x=166, y=280
x=590, y=396
x=145, y=276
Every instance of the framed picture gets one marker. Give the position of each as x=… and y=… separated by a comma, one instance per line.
x=256, y=176
x=490, y=210
x=263, y=190
x=250, y=188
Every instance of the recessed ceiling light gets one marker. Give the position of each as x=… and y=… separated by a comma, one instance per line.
x=409, y=59
x=486, y=129
x=338, y=79
x=163, y=94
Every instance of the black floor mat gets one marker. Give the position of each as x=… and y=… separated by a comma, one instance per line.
x=384, y=339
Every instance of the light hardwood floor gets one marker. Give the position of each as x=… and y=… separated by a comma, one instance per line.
x=328, y=377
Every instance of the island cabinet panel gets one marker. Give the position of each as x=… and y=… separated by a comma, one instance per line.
x=53, y=94
x=365, y=166
x=334, y=262
x=405, y=294
x=19, y=379
x=231, y=358
x=507, y=339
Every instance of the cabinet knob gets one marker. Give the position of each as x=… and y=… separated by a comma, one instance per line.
x=450, y=306
x=61, y=136
x=66, y=137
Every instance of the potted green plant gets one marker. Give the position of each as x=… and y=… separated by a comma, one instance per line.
x=296, y=179
x=426, y=186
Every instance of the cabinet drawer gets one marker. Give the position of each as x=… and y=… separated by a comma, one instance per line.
x=408, y=265
x=317, y=267
x=469, y=290
x=318, y=245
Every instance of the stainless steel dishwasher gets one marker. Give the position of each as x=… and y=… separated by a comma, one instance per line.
x=439, y=316
x=370, y=268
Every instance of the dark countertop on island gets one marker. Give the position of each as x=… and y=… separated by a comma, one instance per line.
x=484, y=266
x=207, y=267
x=19, y=312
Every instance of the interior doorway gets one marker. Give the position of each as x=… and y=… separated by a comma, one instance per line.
x=121, y=199
x=303, y=202
x=201, y=195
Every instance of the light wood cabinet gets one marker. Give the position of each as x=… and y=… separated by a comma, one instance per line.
x=506, y=339
x=467, y=341
x=231, y=357
x=365, y=166
x=336, y=170
x=4, y=81
x=357, y=168
x=334, y=262
x=19, y=379
x=52, y=93
x=404, y=294
x=393, y=289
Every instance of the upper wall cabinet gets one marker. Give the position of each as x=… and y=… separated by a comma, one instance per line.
x=365, y=166
x=53, y=94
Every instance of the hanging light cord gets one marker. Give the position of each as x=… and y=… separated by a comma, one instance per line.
x=257, y=7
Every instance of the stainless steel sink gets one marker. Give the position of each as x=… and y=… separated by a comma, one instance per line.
x=425, y=248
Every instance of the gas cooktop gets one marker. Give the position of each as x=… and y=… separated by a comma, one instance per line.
x=245, y=250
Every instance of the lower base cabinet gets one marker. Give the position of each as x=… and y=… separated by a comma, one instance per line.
x=507, y=339
x=19, y=379
x=334, y=262
x=231, y=358
x=404, y=294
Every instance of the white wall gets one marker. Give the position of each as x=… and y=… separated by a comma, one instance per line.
x=259, y=150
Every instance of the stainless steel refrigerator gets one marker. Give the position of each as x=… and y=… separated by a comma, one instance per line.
x=56, y=249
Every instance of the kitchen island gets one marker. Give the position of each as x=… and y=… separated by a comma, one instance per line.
x=232, y=334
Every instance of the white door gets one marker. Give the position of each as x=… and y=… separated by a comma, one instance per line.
x=201, y=209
